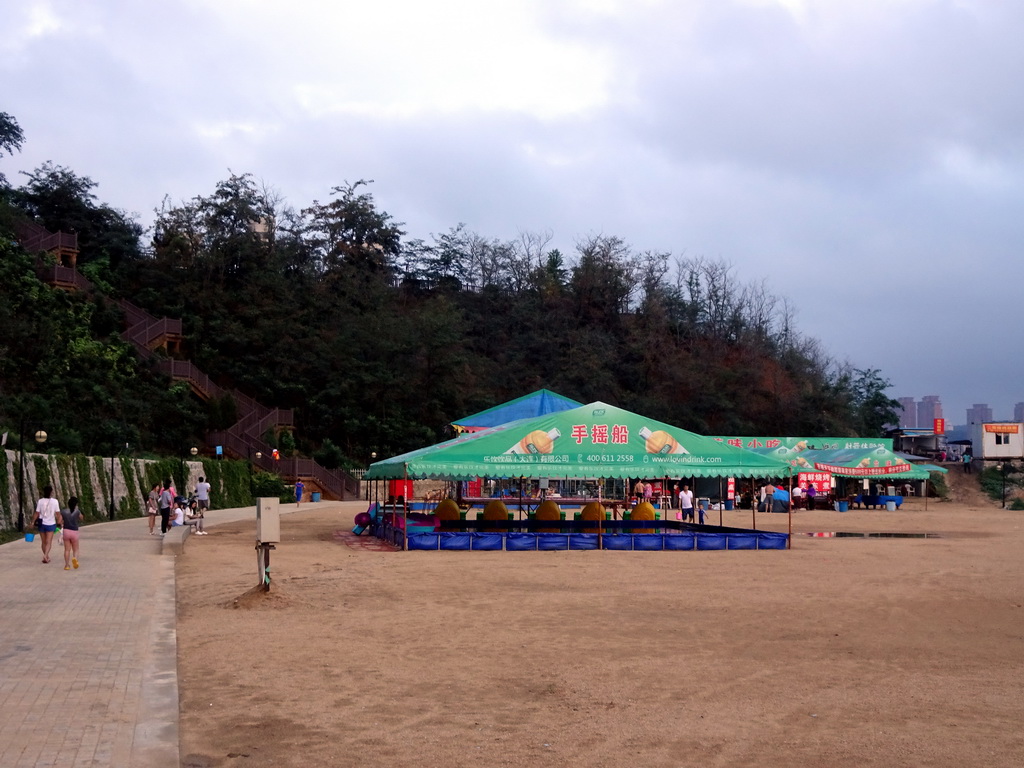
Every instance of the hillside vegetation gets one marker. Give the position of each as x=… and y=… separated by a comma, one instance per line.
x=379, y=340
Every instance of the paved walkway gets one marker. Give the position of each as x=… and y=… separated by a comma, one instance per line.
x=88, y=657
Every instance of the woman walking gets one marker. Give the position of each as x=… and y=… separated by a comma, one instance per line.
x=151, y=500
x=72, y=519
x=47, y=510
x=166, y=499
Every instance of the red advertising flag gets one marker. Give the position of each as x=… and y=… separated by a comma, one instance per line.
x=939, y=427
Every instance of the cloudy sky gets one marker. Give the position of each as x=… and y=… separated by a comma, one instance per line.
x=865, y=158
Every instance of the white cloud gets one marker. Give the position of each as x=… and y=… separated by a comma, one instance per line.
x=865, y=156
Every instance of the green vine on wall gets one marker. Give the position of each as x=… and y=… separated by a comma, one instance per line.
x=231, y=484
x=131, y=497
x=101, y=475
x=43, y=476
x=86, y=497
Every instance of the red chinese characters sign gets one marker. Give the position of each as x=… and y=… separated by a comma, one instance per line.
x=939, y=426
x=822, y=481
x=600, y=434
x=1003, y=429
x=892, y=469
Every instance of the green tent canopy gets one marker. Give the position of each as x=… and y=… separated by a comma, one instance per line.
x=862, y=463
x=595, y=440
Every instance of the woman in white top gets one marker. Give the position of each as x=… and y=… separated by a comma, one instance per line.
x=178, y=513
x=47, y=510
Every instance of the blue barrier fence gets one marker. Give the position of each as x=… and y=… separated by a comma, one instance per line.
x=685, y=541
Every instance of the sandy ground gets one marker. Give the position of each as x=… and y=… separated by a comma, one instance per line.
x=840, y=652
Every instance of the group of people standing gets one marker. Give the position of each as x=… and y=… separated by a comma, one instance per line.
x=644, y=490
x=50, y=520
x=174, y=509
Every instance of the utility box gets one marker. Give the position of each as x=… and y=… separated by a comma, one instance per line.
x=268, y=520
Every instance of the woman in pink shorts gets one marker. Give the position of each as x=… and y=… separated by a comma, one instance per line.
x=72, y=518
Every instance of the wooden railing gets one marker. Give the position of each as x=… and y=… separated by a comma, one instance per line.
x=245, y=437
x=35, y=238
x=145, y=334
x=335, y=483
x=144, y=330
x=61, y=276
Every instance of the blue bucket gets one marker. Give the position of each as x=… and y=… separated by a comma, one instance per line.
x=844, y=506
x=729, y=505
x=30, y=536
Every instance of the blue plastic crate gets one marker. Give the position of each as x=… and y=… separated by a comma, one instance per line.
x=648, y=542
x=455, y=540
x=549, y=542
x=772, y=540
x=423, y=541
x=620, y=541
x=682, y=542
x=521, y=542
x=582, y=541
x=711, y=541
x=488, y=542
x=742, y=540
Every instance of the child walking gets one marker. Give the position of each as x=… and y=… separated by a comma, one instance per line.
x=72, y=519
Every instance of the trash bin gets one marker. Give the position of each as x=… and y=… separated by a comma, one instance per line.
x=729, y=505
x=315, y=496
x=890, y=506
x=843, y=506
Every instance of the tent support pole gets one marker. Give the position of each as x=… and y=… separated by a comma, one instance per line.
x=405, y=512
x=753, y=505
x=721, y=502
x=520, y=498
x=789, y=541
x=665, y=486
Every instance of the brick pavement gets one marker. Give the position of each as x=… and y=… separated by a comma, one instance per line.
x=88, y=657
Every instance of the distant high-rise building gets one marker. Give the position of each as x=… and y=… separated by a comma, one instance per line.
x=908, y=412
x=929, y=409
x=979, y=413
x=1018, y=412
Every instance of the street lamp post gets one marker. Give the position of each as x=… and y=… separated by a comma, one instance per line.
x=40, y=437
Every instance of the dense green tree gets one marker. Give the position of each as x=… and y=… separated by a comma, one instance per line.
x=11, y=139
x=351, y=230
x=63, y=201
x=378, y=342
x=872, y=408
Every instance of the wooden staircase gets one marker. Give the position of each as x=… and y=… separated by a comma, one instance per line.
x=146, y=333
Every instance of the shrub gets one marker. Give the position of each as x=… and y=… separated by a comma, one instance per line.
x=939, y=485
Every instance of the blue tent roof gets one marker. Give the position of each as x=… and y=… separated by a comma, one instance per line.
x=539, y=403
